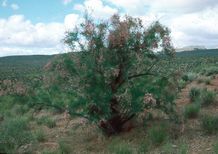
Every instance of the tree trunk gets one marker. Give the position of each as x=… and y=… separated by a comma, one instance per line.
x=115, y=124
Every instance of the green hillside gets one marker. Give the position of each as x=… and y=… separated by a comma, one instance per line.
x=22, y=66
x=198, y=53
x=26, y=66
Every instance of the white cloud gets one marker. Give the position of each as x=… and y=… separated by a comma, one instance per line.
x=71, y=20
x=196, y=28
x=66, y=2
x=19, y=36
x=192, y=22
x=132, y=7
x=96, y=8
x=15, y=6
x=4, y=3
x=16, y=30
x=5, y=51
x=173, y=6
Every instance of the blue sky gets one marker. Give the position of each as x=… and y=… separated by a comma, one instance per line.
x=39, y=10
x=38, y=26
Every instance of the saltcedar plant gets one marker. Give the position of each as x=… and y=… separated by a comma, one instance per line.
x=111, y=67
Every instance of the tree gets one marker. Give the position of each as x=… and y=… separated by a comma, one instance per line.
x=112, y=66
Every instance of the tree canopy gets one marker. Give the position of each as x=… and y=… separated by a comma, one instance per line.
x=112, y=66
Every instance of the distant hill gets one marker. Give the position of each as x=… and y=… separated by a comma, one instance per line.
x=190, y=48
x=198, y=53
x=38, y=60
x=27, y=66
x=22, y=66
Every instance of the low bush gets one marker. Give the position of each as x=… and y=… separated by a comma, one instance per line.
x=121, y=148
x=211, y=71
x=169, y=148
x=207, y=97
x=206, y=80
x=158, y=134
x=64, y=147
x=46, y=121
x=189, y=76
x=7, y=103
x=209, y=124
x=215, y=148
x=181, y=84
x=191, y=110
x=47, y=151
x=194, y=94
x=13, y=134
x=183, y=149
x=40, y=135
x=143, y=147
x=20, y=109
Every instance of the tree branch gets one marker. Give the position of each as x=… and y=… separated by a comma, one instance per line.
x=50, y=105
x=141, y=74
x=144, y=74
x=79, y=115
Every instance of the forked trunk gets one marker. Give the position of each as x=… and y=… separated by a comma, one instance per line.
x=115, y=125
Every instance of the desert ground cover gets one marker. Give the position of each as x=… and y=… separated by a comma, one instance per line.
x=46, y=130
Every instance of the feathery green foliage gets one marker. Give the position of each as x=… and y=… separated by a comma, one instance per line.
x=113, y=66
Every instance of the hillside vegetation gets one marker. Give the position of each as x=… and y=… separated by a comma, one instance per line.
x=22, y=66
x=36, y=98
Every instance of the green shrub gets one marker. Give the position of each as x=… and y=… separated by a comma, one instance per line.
x=189, y=76
x=120, y=148
x=13, y=134
x=47, y=151
x=208, y=81
x=7, y=103
x=44, y=120
x=169, y=148
x=194, y=94
x=207, y=97
x=209, y=124
x=183, y=149
x=211, y=71
x=64, y=147
x=40, y=135
x=158, y=134
x=143, y=147
x=20, y=109
x=181, y=84
x=200, y=80
x=215, y=148
x=191, y=110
